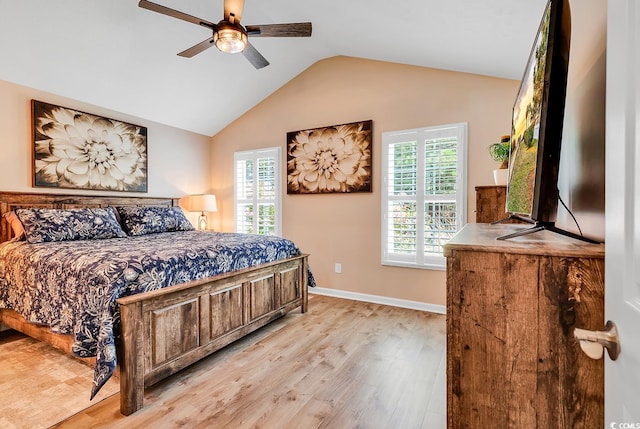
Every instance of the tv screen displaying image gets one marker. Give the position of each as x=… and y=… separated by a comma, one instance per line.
x=525, y=130
x=538, y=115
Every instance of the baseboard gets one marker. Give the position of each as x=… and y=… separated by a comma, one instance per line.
x=376, y=299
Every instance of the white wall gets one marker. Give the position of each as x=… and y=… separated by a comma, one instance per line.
x=178, y=160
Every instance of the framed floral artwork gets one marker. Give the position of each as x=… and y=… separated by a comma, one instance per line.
x=78, y=150
x=334, y=159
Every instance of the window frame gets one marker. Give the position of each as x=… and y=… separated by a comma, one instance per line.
x=254, y=155
x=420, y=258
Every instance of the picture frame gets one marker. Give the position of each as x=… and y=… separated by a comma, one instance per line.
x=79, y=150
x=332, y=159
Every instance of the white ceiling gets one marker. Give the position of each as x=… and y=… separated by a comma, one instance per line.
x=113, y=54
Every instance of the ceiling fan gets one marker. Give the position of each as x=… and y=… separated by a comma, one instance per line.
x=229, y=35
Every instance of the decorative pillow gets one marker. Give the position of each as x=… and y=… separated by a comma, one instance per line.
x=15, y=224
x=151, y=220
x=43, y=225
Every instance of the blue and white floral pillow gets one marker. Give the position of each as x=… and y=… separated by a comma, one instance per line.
x=152, y=220
x=44, y=225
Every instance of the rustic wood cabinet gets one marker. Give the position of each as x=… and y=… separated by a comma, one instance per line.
x=512, y=306
x=491, y=202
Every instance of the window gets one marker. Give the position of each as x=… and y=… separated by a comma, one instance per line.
x=424, y=193
x=258, y=192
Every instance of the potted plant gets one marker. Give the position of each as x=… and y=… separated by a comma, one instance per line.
x=500, y=153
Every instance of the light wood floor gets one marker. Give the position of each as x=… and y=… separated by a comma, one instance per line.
x=39, y=385
x=344, y=364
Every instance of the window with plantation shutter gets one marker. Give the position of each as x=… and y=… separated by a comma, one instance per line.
x=424, y=193
x=258, y=192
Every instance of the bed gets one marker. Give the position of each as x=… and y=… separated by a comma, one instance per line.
x=154, y=313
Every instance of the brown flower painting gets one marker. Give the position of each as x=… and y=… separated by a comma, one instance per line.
x=335, y=159
x=78, y=150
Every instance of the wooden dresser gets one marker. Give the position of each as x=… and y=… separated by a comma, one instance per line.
x=491, y=202
x=512, y=305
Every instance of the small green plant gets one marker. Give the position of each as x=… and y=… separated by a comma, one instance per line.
x=500, y=151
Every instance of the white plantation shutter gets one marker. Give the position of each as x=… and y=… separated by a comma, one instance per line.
x=424, y=195
x=244, y=185
x=401, y=210
x=257, y=191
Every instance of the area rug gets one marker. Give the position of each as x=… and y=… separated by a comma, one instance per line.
x=41, y=386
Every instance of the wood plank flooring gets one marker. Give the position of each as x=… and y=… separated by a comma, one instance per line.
x=40, y=385
x=344, y=364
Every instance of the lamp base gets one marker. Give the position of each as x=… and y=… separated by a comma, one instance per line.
x=202, y=222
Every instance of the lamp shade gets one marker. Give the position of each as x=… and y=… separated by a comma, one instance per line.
x=199, y=203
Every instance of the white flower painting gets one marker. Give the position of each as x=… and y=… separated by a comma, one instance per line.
x=335, y=159
x=78, y=150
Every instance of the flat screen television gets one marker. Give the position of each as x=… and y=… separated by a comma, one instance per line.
x=536, y=127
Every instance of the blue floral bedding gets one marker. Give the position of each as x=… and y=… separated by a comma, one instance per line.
x=72, y=286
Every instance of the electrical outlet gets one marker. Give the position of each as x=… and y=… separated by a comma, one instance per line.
x=338, y=267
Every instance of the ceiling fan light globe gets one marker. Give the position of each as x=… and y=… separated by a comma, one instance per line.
x=230, y=40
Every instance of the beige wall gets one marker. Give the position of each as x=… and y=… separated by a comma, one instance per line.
x=177, y=164
x=582, y=173
x=345, y=228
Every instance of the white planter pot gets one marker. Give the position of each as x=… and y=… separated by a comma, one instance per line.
x=500, y=176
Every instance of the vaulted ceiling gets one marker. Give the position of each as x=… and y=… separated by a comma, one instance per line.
x=118, y=56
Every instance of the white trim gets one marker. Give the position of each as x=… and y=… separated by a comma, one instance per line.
x=377, y=299
x=622, y=207
x=436, y=265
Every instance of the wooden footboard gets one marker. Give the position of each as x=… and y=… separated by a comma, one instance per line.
x=166, y=330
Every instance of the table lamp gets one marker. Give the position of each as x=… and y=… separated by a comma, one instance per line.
x=200, y=203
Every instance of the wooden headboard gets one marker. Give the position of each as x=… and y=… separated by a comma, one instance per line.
x=15, y=200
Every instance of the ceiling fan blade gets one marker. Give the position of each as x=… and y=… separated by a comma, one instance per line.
x=296, y=29
x=196, y=49
x=254, y=57
x=233, y=7
x=175, y=14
